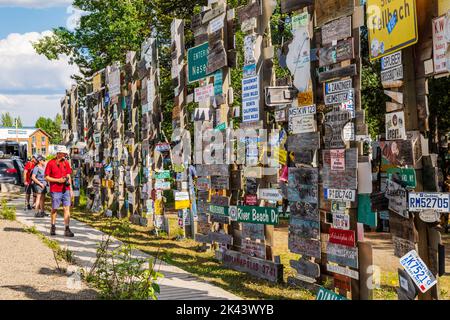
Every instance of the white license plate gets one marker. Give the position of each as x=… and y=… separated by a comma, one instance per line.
x=418, y=271
x=419, y=201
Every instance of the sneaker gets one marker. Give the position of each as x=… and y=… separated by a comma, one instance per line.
x=29, y=207
x=45, y=214
x=39, y=215
x=68, y=233
x=53, y=231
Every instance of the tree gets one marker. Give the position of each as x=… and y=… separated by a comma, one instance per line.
x=7, y=120
x=18, y=120
x=52, y=127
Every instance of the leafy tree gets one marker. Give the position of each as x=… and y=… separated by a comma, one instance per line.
x=19, y=122
x=7, y=120
x=52, y=127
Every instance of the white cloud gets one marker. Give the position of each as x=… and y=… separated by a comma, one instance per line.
x=34, y=3
x=30, y=107
x=73, y=21
x=23, y=70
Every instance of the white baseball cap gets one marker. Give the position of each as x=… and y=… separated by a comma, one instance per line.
x=62, y=149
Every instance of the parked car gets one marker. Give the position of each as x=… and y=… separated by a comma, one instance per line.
x=11, y=170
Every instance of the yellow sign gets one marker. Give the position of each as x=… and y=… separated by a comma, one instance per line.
x=182, y=204
x=392, y=25
x=97, y=82
x=158, y=207
x=443, y=7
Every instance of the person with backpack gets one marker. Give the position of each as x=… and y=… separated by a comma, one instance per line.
x=57, y=174
x=28, y=169
x=40, y=186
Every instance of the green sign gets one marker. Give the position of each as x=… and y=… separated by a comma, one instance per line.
x=221, y=126
x=365, y=213
x=261, y=215
x=324, y=294
x=407, y=175
x=161, y=175
x=215, y=209
x=218, y=83
x=197, y=62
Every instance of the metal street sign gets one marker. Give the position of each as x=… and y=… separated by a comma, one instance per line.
x=338, y=86
x=418, y=271
x=419, y=201
x=261, y=215
x=325, y=294
x=197, y=62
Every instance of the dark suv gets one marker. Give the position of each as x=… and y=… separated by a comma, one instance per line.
x=11, y=171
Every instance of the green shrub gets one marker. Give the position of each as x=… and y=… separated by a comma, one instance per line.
x=7, y=212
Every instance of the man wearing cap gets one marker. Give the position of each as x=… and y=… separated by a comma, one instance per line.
x=28, y=169
x=57, y=173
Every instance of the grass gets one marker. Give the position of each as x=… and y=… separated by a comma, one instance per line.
x=7, y=212
x=61, y=254
x=184, y=254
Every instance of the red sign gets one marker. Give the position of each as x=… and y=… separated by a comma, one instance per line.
x=344, y=237
x=251, y=200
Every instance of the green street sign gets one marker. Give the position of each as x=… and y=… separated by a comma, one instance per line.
x=161, y=175
x=324, y=294
x=260, y=215
x=197, y=62
x=407, y=175
x=214, y=209
x=221, y=126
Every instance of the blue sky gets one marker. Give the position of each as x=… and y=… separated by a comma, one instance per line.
x=30, y=85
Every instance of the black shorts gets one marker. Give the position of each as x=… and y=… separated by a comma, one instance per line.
x=29, y=189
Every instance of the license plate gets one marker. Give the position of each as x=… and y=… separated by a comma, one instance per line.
x=419, y=201
x=418, y=271
x=340, y=194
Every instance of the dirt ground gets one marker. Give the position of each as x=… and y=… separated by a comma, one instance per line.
x=28, y=269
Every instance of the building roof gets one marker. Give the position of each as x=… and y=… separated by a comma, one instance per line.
x=8, y=133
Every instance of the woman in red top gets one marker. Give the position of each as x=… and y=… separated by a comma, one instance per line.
x=28, y=169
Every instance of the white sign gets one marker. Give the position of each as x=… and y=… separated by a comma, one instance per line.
x=395, y=126
x=343, y=271
x=397, y=198
x=419, y=201
x=270, y=194
x=418, y=271
x=337, y=157
x=300, y=20
x=340, y=194
x=341, y=221
x=391, y=61
x=392, y=74
x=302, y=119
x=298, y=59
x=204, y=93
x=339, y=97
x=181, y=195
x=162, y=185
x=338, y=86
x=439, y=45
x=429, y=216
x=250, y=99
x=216, y=24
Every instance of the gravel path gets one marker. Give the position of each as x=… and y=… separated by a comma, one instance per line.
x=28, y=269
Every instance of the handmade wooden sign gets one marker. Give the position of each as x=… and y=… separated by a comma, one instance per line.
x=343, y=271
x=219, y=218
x=340, y=72
x=396, y=153
x=332, y=54
x=220, y=182
x=253, y=248
x=397, y=196
x=308, y=229
x=303, y=184
x=249, y=11
x=394, y=95
x=342, y=255
x=204, y=170
x=253, y=231
x=213, y=13
x=395, y=126
x=336, y=30
x=293, y=5
x=202, y=238
x=302, y=119
x=220, y=200
x=305, y=210
x=300, y=142
x=392, y=106
x=306, y=247
x=402, y=246
x=335, y=121
x=220, y=238
x=260, y=268
x=342, y=237
x=339, y=179
x=278, y=96
x=306, y=267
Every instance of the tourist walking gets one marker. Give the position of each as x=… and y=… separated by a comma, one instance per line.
x=40, y=186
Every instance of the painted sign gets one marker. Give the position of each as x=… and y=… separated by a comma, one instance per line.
x=250, y=99
x=218, y=210
x=419, y=201
x=204, y=93
x=396, y=153
x=338, y=86
x=341, y=221
x=303, y=184
x=253, y=231
x=395, y=126
x=335, y=121
x=303, y=141
x=270, y=194
x=406, y=176
x=324, y=294
x=304, y=210
x=342, y=255
x=251, y=200
x=440, y=45
x=392, y=26
x=262, y=215
x=306, y=247
x=337, y=159
x=298, y=59
x=197, y=62
x=331, y=54
x=302, y=119
x=337, y=30
x=343, y=271
x=418, y=271
x=340, y=194
x=327, y=10
x=397, y=196
x=343, y=237
x=253, y=248
x=308, y=229
x=220, y=238
x=220, y=182
x=306, y=268
x=260, y=268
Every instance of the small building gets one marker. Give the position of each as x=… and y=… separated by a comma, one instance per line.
x=36, y=140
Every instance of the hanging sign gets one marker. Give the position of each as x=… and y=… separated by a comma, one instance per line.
x=343, y=237
x=395, y=126
x=298, y=59
x=337, y=159
x=204, y=93
x=440, y=45
x=392, y=25
x=419, y=201
x=418, y=271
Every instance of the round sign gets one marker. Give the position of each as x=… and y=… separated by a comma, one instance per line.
x=233, y=213
x=429, y=216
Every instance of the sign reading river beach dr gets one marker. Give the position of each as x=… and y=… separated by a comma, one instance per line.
x=392, y=26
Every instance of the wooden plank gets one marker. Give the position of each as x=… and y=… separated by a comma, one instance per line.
x=253, y=231
x=402, y=227
x=257, y=267
x=342, y=255
x=294, y=5
x=301, y=141
x=219, y=218
x=219, y=200
x=341, y=72
x=402, y=246
x=331, y=54
x=220, y=238
x=396, y=153
x=303, y=184
x=308, y=229
x=327, y=10
x=392, y=106
x=306, y=267
x=305, y=247
x=336, y=30
x=394, y=95
x=334, y=179
x=304, y=210
x=253, y=248
x=343, y=271
x=335, y=121
x=249, y=11
x=213, y=13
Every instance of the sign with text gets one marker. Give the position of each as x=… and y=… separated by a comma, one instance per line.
x=261, y=215
x=440, y=45
x=197, y=62
x=418, y=271
x=419, y=201
x=340, y=194
x=343, y=237
x=395, y=126
x=342, y=255
x=337, y=157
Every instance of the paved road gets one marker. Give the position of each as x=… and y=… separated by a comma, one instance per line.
x=177, y=284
